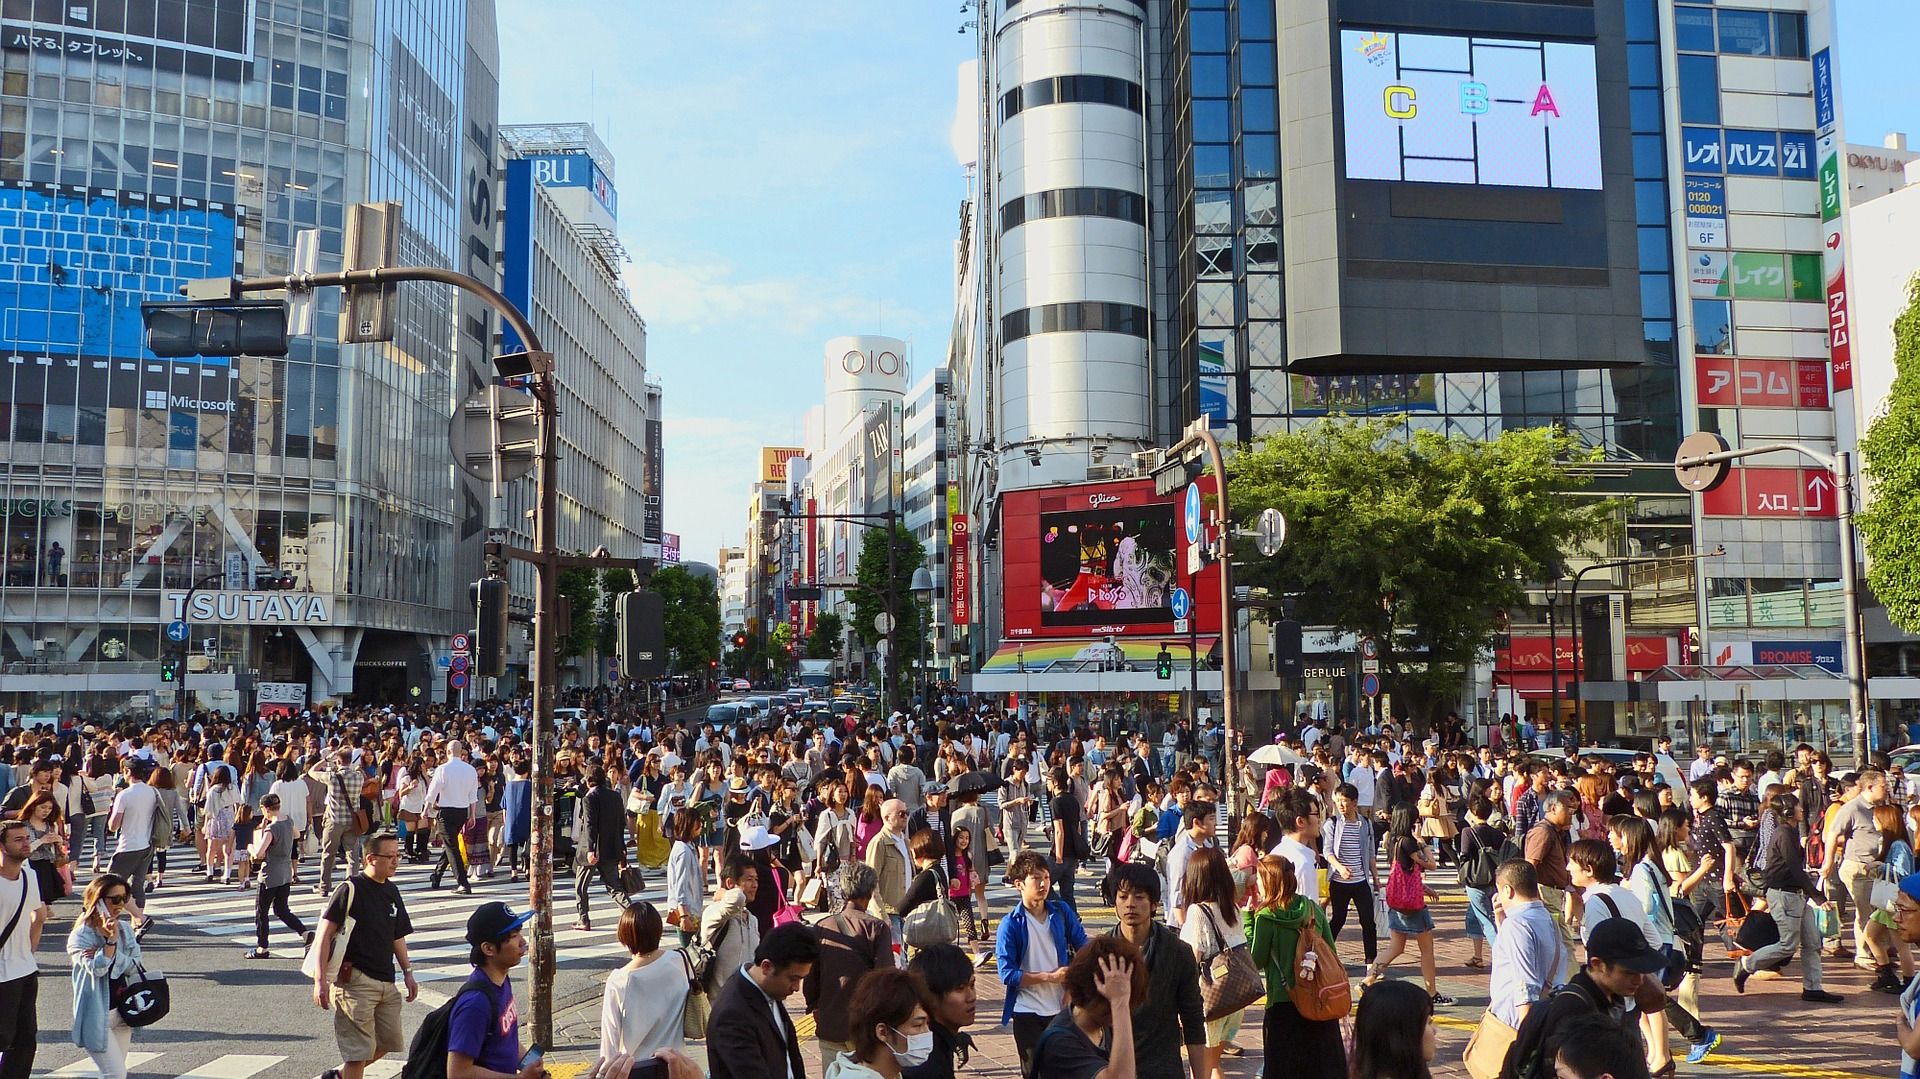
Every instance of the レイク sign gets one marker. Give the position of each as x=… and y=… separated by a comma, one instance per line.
x=249, y=608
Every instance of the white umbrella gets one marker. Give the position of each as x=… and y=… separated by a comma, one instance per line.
x=1276, y=755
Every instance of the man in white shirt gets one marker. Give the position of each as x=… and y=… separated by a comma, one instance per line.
x=22, y=906
x=452, y=794
x=1300, y=815
x=132, y=817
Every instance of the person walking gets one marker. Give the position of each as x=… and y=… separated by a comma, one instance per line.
x=102, y=947
x=1481, y=846
x=1068, y=837
x=23, y=914
x=1853, y=847
x=1530, y=961
x=892, y=862
x=1393, y=1034
x=1635, y=848
x=727, y=927
x=1036, y=941
x=483, y=1029
x=852, y=942
x=947, y=978
x=219, y=810
x=1894, y=863
x=366, y=1006
x=749, y=1033
x=1408, y=918
x=1545, y=847
x=273, y=847
x=606, y=838
x=335, y=824
x=686, y=877
x=452, y=795
x=132, y=819
x=1348, y=840
x=640, y=1012
x=1280, y=914
x=1169, y=1015
x=1210, y=924
x=1792, y=897
x=1618, y=959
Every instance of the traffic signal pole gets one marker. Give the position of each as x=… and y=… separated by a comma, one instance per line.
x=547, y=561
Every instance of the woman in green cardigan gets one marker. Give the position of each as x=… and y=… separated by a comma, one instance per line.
x=1313, y=1048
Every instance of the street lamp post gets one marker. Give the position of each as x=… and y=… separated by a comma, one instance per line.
x=186, y=615
x=1573, y=602
x=1704, y=461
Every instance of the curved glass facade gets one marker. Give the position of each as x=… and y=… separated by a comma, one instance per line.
x=120, y=179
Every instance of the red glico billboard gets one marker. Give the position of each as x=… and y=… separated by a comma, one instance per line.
x=1100, y=559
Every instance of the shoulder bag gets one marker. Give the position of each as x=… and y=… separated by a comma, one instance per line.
x=310, y=963
x=140, y=996
x=936, y=921
x=1229, y=978
x=694, y=1013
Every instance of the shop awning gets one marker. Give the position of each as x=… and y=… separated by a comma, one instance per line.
x=1533, y=685
x=1128, y=665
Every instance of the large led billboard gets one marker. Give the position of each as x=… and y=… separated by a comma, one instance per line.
x=1450, y=109
x=1101, y=566
x=206, y=37
x=1099, y=560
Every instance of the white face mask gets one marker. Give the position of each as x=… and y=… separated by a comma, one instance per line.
x=919, y=1048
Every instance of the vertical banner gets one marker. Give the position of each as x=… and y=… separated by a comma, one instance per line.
x=1833, y=193
x=959, y=579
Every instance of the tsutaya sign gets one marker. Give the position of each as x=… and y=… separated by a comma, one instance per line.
x=250, y=608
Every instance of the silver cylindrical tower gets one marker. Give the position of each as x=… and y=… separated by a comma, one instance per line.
x=1070, y=210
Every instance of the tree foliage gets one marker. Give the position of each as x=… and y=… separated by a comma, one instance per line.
x=870, y=598
x=824, y=641
x=780, y=649
x=692, y=617
x=583, y=594
x=1890, y=523
x=1450, y=528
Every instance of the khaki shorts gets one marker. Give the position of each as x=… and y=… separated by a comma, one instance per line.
x=366, y=1019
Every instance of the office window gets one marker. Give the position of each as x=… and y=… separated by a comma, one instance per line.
x=1746, y=33
x=1790, y=35
x=1699, y=90
x=1713, y=327
x=1693, y=29
x=1212, y=121
x=1207, y=31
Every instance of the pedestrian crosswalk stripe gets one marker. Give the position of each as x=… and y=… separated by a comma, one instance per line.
x=84, y=1066
x=384, y=1069
x=232, y=1066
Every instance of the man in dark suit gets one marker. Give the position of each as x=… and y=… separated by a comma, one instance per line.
x=749, y=1033
x=852, y=942
x=606, y=843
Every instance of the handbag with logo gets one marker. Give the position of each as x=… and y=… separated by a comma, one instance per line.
x=1229, y=978
x=140, y=996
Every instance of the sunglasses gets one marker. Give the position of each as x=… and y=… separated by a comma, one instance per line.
x=117, y=899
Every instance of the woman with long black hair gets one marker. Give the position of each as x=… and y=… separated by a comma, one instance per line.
x=1393, y=1033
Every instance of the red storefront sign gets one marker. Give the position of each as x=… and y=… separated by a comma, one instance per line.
x=1772, y=492
x=1840, y=332
x=1644, y=653
x=1731, y=382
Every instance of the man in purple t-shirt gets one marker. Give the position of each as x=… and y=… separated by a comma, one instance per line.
x=483, y=1031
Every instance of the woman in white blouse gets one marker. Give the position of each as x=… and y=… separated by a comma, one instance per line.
x=644, y=999
x=1210, y=924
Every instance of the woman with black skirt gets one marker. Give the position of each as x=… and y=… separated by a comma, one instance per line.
x=1279, y=915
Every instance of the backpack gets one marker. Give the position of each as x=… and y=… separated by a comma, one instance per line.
x=427, y=1053
x=1479, y=870
x=160, y=835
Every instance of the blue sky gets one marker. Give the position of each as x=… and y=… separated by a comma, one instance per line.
x=786, y=175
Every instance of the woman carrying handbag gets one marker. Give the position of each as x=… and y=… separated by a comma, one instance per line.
x=102, y=947
x=1210, y=925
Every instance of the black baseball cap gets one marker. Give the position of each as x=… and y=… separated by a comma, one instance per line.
x=1618, y=942
x=492, y=922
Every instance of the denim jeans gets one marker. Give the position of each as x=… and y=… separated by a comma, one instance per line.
x=1480, y=924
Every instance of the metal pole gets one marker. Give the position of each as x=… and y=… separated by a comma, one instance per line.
x=1856, y=659
x=546, y=562
x=1553, y=659
x=893, y=623
x=1228, y=662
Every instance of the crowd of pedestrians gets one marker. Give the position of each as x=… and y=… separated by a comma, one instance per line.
x=850, y=857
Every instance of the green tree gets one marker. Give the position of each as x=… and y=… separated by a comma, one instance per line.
x=780, y=649
x=583, y=595
x=1449, y=528
x=870, y=599
x=824, y=641
x=692, y=617
x=1890, y=453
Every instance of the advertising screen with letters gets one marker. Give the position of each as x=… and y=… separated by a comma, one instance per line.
x=1098, y=560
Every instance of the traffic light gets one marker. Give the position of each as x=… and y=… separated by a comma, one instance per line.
x=489, y=627
x=740, y=640
x=1288, y=648
x=1163, y=665
x=640, y=618
x=169, y=670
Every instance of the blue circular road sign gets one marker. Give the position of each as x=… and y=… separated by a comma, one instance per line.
x=177, y=631
x=459, y=680
x=1370, y=685
x=1193, y=513
x=1182, y=603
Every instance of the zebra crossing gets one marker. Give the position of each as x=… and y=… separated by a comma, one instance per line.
x=437, y=946
x=224, y=1066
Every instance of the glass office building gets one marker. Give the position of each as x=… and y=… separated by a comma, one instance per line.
x=307, y=502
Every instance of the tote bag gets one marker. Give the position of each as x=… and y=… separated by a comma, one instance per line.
x=1229, y=978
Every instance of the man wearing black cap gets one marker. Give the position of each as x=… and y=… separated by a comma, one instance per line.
x=483, y=1030
x=1618, y=959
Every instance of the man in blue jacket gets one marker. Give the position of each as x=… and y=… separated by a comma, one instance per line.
x=1036, y=942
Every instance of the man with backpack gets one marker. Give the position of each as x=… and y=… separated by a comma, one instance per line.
x=483, y=1022
x=1618, y=958
x=1348, y=840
